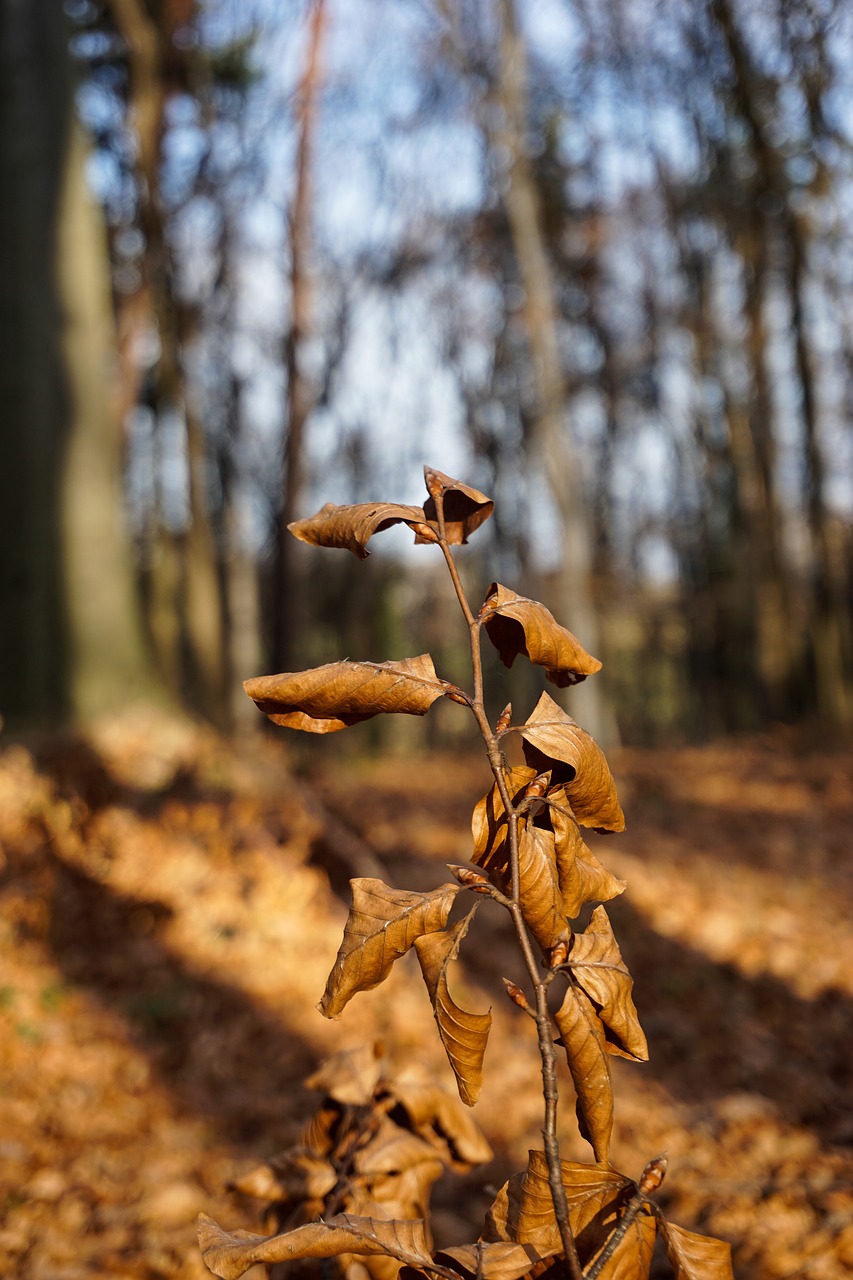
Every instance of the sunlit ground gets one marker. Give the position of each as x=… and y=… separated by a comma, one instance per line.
x=171, y=909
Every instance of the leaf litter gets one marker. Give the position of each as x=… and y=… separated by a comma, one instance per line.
x=165, y=934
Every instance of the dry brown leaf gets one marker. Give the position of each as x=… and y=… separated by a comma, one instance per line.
x=541, y=902
x=489, y=825
x=318, y=1132
x=465, y=509
x=497, y=1260
x=392, y=1150
x=523, y=1210
x=583, y=878
x=463, y=1034
x=297, y=1174
x=552, y=740
x=597, y=964
x=632, y=1257
x=351, y=1076
x=440, y=1119
x=383, y=924
x=582, y=1036
x=695, y=1257
x=326, y=699
x=230, y=1254
x=351, y=527
x=538, y=879
x=515, y=625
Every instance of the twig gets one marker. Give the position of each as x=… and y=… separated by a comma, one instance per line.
x=543, y=1018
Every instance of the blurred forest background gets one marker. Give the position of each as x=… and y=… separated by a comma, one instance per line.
x=592, y=258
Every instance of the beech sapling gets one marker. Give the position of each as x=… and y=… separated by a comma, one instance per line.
x=555, y=1217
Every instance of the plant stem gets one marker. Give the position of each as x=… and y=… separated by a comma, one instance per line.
x=635, y=1204
x=543, y=1018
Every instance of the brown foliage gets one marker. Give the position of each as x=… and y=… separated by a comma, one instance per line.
x=383, y=924
x=341, y=694
x=526, y=831
x=517, y=625
x=357, y=1181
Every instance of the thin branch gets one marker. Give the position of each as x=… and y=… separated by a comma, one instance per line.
x=544, y=1026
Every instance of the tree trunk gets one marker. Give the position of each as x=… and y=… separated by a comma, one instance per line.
x=285, y=596
x=550, y=438
x=71, y=644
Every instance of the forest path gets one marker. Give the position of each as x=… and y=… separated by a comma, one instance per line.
x=168, y=923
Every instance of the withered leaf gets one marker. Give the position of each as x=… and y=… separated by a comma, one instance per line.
x=523, y=1210
x=392, y=1149
x=350, y=1076
x=497, y=1260
x=582, y=1036
x=326, y=699
x=351, y=527
x=537, y=866
x=541, y=902
x=583, y=878
x=632, y=1257
x=597, y=964
x=294, y=1175
x=440, y=1119
x=515, y=625
x=696, y=1257
x=489, y=825
x=552, y=740
x=465, y=509
x=463, y=1034
x=229, y=1254
x=383, y=924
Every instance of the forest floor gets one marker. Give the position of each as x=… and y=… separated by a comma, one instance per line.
x=170, y=911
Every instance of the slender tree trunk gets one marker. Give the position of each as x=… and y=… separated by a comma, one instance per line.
x=550, y=440
x=186, y=564
x=34, y=124
x=828, y=607
x=71, y=644
x=285, y=593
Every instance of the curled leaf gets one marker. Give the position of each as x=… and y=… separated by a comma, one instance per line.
x=582, y=1036
x=538, y=879
x=326, y=699
x=553, y=740
x=583, y=878
x=489, y=825
x=350, y=1076
x=499, y=1260
x=392, y=1150
x=383, y=924
x=465, y=509
x=229, y=1254
x=598, y=967
x=523, y=1210
x=695, y=1257
x=463, y=1034
x=515, y=625
x=440, y=1118
x=351, y=527
x=540, y=887
x=295, y=1175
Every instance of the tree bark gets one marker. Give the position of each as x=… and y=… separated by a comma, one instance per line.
x=550, y=438
x=285, y=594
x=71, y=643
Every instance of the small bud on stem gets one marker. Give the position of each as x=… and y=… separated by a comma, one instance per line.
x=504, y=720
x=652, y=1176
x=517, y=996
